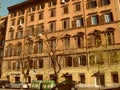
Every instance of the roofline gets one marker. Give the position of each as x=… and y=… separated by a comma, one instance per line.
x=21, y=4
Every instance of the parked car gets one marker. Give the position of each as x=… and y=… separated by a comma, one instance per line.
x=19, y=85
x=65, y=85
x=4, y=84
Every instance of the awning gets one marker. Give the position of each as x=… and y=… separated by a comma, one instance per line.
x=97, y=74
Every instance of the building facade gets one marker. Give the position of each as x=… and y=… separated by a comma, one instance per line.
x=3, y=22
x=81, y=35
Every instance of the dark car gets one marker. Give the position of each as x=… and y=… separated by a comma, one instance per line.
x=65, y=85
x=4, y=84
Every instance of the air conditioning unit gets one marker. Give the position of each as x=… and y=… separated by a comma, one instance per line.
x=63, y=1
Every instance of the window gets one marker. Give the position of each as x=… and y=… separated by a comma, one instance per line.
x=82, y=60
x=41, y=6
x=52, y=3
x=41, y=15
x=80, y=42
x=20, y=21
x=52, y=25
x=79, y=22
x=77, y=6
x=92, y=4
x=108, y=17
x=13, y=14
x=113, y=57
x=40, y=29
x=21, y=12
x=9, y=50
x=40, y=46
x=35, y=65
x=9, y=65
x=13, y=23
x=110, y=38
x=52, y=12
x=115, y=77
x=66, y=42
x=39, y=77
x=82, y=78
x=92, y=60
x=31, y=18
x=30, y=47
x=18, y=49
x=97, y=40
x=11, y=35
x=19, y=34
x=41, y=63
x=30, y=31
x=66, y=23
x=94, y=20
x=53, y=44
x=31, y=9
x=105, y=2
x=68, y=61
x=65, y=10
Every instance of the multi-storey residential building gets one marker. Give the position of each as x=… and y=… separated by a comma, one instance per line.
x=3, y=22
x=83, y=33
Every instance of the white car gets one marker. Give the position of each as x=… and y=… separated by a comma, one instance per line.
x=20, y=85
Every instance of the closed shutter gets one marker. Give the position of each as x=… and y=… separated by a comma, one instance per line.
x=88, y=21
x=74, y=24
x=101, y=19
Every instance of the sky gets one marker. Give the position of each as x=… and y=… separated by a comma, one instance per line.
x=6, y=3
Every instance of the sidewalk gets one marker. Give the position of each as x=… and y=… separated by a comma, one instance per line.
x=99, y=88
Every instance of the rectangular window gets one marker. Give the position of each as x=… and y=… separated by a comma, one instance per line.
x=68, y=61
x=67, y=43
x=82, y=60
x=21, y=12
x=13, y=23
x=77, y=6
x=11, y=34
x=41, y=63
x=110, y=38
x=9, y=65
x=31, y=18
x=92, y=4
x=105, y=2
x=65, y=23
x=41, y=6
x=40, y=47
x=13, y=14
x=53, y=45
x=94, y=20
x=65, y=10
x=108, y=17
x=115, y=77
x=52, y=3
x=82, y=78
x=80, y=42
x=79, y=22
x=41, y=15
x=40, y=29
x=52, y=12
x=52, y=25
x=19, y=34
x=20, y=21
x=31, y=9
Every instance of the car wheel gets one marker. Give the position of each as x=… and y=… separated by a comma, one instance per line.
x=3, y=86
x=56, y=88
x=72, y=88
x=21, y=87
